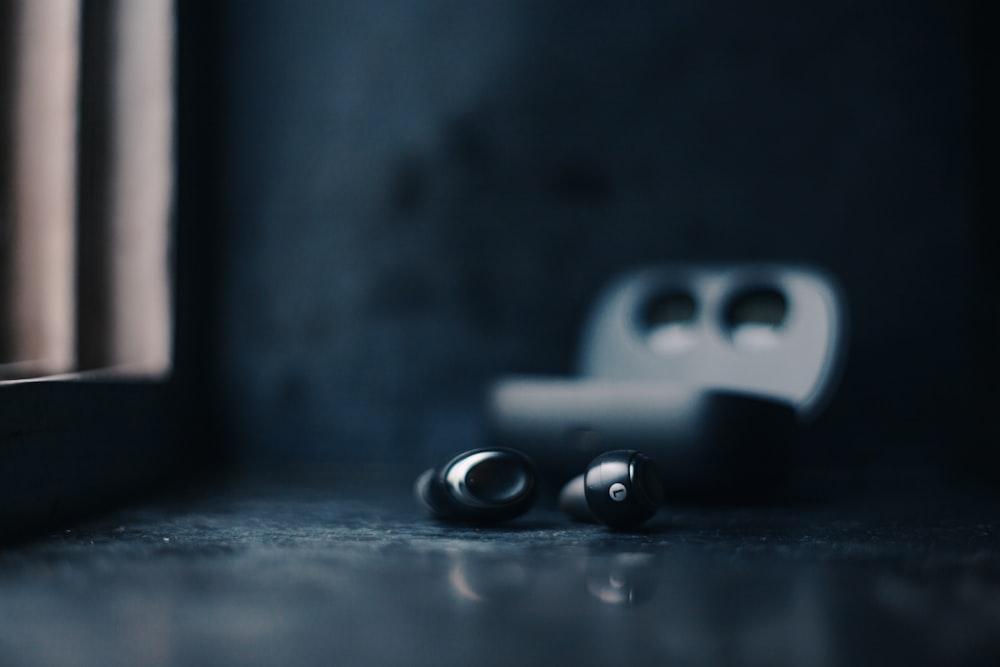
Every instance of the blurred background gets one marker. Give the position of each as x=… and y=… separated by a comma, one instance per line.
x=403, y=200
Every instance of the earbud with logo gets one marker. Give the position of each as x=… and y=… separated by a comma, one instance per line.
x=621, y=489
x=479, y=486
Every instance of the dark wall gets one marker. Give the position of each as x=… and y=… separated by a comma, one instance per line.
x=418, y=196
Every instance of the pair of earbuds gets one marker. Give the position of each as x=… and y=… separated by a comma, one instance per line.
x=620, y=489
x=705, y=368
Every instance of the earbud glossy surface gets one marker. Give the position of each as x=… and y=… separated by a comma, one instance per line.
x=621, y=489
x=479, y=486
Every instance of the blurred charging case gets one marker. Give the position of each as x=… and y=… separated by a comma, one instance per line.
x=708, y=369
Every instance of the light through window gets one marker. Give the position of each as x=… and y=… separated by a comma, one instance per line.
x=85, y=186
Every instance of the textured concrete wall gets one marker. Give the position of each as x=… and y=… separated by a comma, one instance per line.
x=421, y=195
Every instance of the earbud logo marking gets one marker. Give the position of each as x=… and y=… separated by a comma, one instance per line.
x=618, y=492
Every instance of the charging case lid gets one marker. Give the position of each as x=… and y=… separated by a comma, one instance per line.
x=766, y=329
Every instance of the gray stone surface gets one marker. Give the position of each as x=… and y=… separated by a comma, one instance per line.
x=319, y=570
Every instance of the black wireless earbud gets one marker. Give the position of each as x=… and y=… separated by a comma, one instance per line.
x=620, y=489
x=479, y=486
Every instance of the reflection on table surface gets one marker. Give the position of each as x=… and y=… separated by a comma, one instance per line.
x=307, y=575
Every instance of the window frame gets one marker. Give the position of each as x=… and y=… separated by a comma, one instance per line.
x=76, y=444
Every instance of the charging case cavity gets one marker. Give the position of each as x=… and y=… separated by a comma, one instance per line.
x=766, y=329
